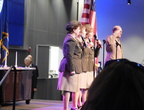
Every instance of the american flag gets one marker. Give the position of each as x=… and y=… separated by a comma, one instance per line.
x=89, y=14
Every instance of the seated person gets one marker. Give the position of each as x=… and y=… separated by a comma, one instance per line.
x=35, y=74
x=120, y=86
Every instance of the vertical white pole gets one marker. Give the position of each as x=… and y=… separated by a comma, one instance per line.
x=5, y=61
x=16, y=59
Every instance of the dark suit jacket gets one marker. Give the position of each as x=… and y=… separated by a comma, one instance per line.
x=35, y=74
x=72, y=52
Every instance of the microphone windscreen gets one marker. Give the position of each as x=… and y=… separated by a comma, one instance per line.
x=95, y=36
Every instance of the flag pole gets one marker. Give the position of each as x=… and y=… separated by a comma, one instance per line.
x=77, y=9
x=1, y=55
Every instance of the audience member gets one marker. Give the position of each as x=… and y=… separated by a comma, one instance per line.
x=120, y=86
x=35, y=74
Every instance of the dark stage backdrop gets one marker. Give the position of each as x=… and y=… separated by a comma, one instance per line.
x=45, y=22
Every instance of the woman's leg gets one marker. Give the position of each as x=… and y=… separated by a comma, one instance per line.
x=80, y=98
x=66, y=98
x=75, y=96
x=84, y=95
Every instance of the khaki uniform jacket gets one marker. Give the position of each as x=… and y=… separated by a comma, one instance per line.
x=113, y=51
x=88, y=58
x=72, y=52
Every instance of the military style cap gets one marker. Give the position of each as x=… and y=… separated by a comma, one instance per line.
x=72, y=24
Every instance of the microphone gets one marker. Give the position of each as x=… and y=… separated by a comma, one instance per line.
x=83, y=41
x=104, y=41
x=95, y=36
x=117, y=43
x=99, y=45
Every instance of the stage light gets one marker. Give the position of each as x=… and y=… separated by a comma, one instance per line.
x=129, y=2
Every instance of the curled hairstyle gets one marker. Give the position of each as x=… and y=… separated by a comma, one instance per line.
x=82, y=27
x=89, y=29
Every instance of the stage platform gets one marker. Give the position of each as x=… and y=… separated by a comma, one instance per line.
x=35, y=105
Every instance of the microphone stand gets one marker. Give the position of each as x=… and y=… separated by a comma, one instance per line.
x=104, y=41
x=94, y=57
x=116, y=48
x=142, y=63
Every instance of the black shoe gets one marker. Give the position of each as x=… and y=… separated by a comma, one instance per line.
x=79, y=107
x=27, y=102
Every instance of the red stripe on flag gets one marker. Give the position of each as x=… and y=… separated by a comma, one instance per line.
x=85, y=15
x=87, y=6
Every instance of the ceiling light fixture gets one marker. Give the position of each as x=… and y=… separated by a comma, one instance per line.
x=129, y=2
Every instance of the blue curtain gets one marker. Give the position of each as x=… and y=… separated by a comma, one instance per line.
x=16, y=22
x=4, y=35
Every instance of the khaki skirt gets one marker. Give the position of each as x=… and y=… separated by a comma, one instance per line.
x=67, y=82
x=86, y=79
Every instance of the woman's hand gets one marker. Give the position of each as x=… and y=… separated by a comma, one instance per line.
x=90, y=44
x=73, y=72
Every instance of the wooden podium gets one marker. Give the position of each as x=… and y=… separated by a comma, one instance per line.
x=23, y=84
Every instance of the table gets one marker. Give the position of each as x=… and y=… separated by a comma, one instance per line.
x=23, y=84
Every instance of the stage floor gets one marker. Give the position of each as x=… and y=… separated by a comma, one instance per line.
x=35, y=105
